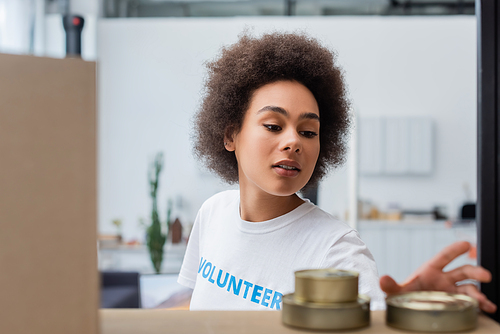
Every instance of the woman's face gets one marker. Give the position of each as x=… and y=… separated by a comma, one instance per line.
x=278, y=144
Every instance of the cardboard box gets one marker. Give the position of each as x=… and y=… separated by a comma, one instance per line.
x=48, y=257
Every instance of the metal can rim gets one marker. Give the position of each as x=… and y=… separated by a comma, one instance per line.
x=362, y=299
x=394, y=300
x=305, y=274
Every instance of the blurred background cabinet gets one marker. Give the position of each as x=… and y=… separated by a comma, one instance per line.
x=401, y=247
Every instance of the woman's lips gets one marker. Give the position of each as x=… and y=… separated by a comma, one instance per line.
x=287, y=168
x=286, y=172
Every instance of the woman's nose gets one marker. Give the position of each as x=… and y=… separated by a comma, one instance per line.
x=292, y=142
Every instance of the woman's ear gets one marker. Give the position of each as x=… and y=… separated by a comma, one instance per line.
x=229, y=139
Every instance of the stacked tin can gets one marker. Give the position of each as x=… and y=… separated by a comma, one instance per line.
x=326, y=299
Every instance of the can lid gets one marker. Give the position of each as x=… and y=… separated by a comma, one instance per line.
x=326, y=274
x=432, y=301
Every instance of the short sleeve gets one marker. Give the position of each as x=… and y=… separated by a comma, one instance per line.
x=351, y=253
x=189, y=268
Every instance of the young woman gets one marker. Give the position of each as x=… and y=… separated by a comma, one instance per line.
x=274, y=119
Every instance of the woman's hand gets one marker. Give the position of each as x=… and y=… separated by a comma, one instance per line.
x=431, y=277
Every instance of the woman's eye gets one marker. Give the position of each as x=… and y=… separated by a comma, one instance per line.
x=308, y=134
x=272, y=127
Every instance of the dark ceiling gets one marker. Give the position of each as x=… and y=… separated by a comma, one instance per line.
x=221, y=8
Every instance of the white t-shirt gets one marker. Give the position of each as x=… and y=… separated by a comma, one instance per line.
x=234, y=264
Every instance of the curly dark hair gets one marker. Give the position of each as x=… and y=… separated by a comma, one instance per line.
x=254, y=62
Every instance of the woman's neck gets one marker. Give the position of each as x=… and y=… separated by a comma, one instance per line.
x=259, y=206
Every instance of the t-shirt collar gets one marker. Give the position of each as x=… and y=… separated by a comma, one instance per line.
x=272, y=224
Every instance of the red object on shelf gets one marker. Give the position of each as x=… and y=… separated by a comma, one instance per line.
x=176, y=231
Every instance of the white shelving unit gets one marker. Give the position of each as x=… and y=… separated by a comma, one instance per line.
x=396, y=146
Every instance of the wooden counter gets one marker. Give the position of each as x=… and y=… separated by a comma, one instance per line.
x=133, y=321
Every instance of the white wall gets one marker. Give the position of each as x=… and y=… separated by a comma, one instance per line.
x=16, y=20
x=150, y=76
x=432, y=74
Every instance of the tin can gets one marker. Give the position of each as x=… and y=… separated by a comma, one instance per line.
x=432, y=311
x=326, y=286
x=326, y=316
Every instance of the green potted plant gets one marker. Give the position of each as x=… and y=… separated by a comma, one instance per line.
x=155, y=235
x=118, y=224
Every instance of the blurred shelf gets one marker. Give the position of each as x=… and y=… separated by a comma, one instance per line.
x=136, y=258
